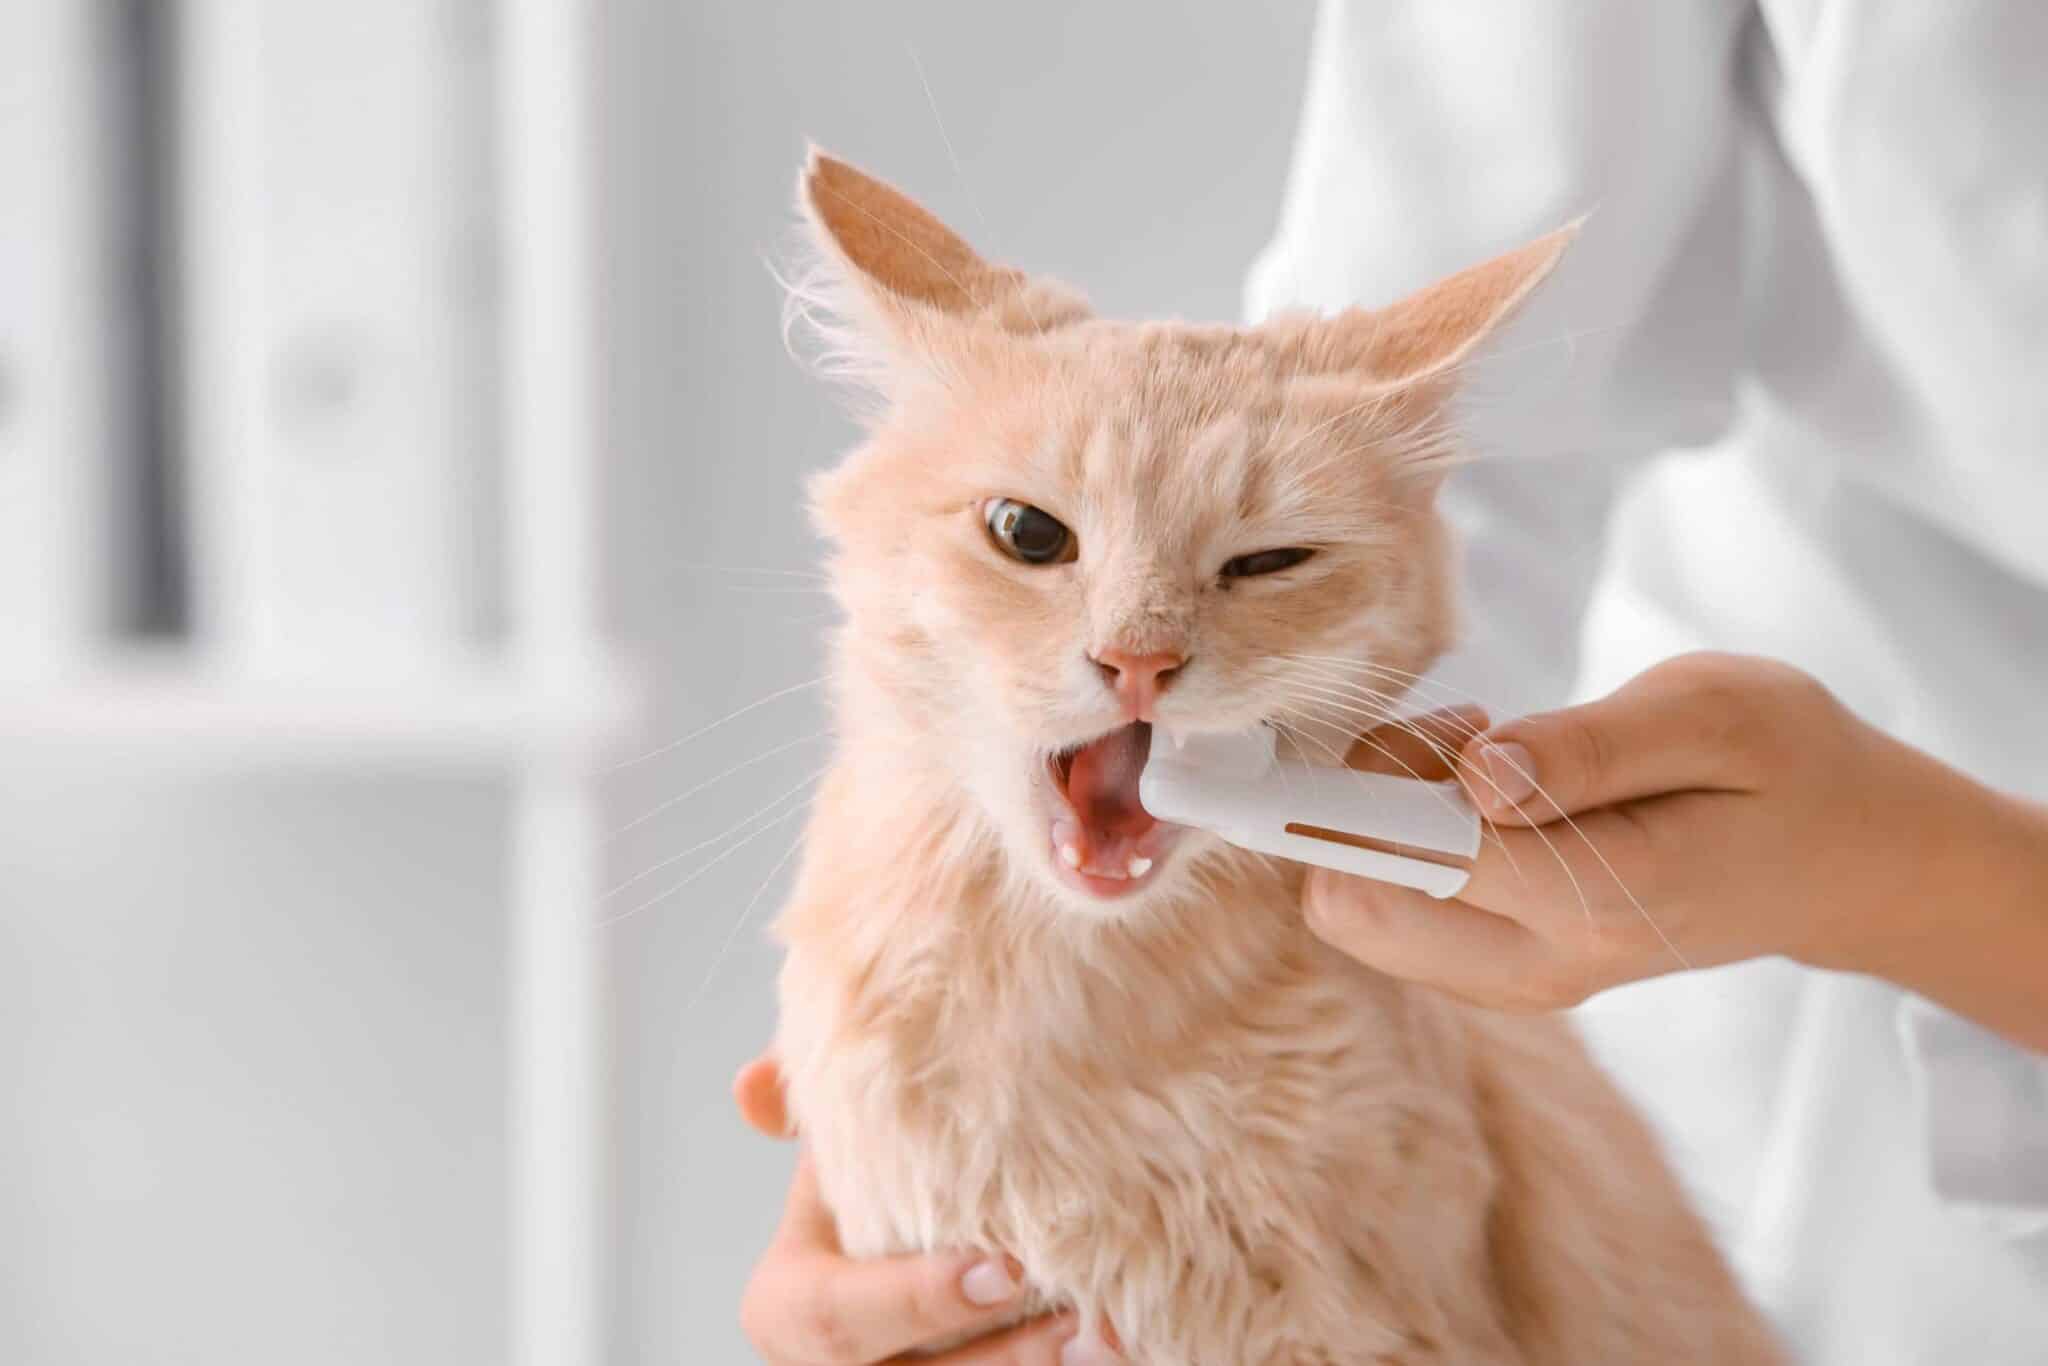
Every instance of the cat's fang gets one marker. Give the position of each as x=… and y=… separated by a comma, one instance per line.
x=1140, y=866
x=1070, y=855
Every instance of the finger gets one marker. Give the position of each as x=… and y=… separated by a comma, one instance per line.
x=1649, y=738
x=806, y=1219
x=1417, y=746
x=1417, y=937
x=1622, y=889
x=1546, y=877
x=757, y=1090
x=832, y=1309
x=828, y=1307
x=1037, y=1343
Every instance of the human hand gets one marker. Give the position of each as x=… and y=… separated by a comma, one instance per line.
x=809, y=1304
x=1713, y=809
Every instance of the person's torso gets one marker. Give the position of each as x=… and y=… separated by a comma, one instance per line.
x=1879, y=516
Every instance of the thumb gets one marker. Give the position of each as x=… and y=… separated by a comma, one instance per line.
x=1642, y=741
x=758, y=1092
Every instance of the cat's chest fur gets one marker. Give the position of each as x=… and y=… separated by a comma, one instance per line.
x=1231, y=1142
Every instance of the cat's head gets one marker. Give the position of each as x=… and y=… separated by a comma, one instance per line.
x=1062, y=532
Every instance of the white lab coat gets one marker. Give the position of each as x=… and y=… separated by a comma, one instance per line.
x=1818, y=263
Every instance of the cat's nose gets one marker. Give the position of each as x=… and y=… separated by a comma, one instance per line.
x=1137, y=679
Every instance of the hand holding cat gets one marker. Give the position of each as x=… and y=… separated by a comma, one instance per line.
x=808, y=1304
x=1715, y=808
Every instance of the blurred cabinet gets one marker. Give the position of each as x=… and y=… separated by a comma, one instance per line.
x=58, y=399
x=365, y=444
x=337, y=297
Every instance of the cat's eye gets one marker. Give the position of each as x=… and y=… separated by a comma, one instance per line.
x=1026, y=533
x=1265, y=562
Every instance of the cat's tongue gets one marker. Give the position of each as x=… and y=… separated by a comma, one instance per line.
x=1102, y=782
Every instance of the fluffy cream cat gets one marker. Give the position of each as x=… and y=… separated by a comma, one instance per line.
x=1020, y=1015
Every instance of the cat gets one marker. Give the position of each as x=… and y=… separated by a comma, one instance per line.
x=1019, y=1015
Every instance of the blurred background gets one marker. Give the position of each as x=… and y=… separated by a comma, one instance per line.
x=400, y=473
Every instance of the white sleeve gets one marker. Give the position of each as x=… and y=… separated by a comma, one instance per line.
x=1983, y=1105
x=1437, y=133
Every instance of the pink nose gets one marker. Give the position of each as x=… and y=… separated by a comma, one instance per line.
x=1138, y=679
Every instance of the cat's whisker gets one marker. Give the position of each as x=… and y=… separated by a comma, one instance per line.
x=1428, y=690
x=1348, y=660
x=1287, y=731
x=960, y=179
x=732, y=935
x=1407, y=727
x=1380, y=707
x=1295, y=734
x=707, y=867
x=715, y=778
x=1381, y=715
x=728, y=718
x=1337, y=677
x=773, y=588
x=1569, y=339
x=1416, y=682
x=1484, y=831
x=1342, y=671
x=1338, y=758
x=1345, y=672
x=817, y=574
x=1471, y=374
x=726, y=833
x=1383, y=706
x=1284, y=729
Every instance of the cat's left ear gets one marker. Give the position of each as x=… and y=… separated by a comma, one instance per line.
x=1424, y=338
x=911, y=289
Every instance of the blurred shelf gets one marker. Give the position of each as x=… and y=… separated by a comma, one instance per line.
x=176, y=710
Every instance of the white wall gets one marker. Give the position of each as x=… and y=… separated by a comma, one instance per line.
x=1136, y=149
x=250, y=1068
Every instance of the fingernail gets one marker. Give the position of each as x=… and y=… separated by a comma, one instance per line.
x=989, y=1282
x=1088, y=1350
x=1512, y=770
x=1337, y=907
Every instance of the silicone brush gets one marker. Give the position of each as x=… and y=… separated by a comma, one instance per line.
x=1236, y=786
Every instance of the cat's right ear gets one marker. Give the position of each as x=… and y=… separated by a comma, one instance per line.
x=1422, y=341
x=897, y=292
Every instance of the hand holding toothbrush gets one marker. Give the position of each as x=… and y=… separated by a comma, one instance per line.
x=1715, y=808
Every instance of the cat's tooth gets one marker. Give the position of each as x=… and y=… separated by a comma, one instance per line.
x=1140, y=866
x=1070, y=855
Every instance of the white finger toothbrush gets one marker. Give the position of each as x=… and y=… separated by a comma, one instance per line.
x=1402, y=830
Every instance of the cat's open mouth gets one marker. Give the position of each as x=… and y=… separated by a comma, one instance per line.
x=1104, y=842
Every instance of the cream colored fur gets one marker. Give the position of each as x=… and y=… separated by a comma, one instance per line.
x=1179, y=1110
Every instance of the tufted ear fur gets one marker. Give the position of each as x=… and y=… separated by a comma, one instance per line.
x=898, y=288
